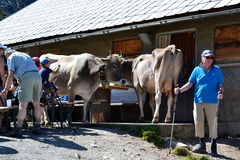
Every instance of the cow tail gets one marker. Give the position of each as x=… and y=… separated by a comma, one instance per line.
x=163, y=65
x=178, y=64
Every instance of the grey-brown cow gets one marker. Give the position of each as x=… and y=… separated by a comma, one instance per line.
x=155, y=73
x=79, y=74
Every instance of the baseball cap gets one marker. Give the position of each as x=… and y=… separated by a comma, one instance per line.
x=36, y=59
x=207, y=53
x=44, y=60
x=8, y=51
x=2, y=46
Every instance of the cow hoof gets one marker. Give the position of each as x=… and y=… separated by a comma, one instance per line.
x=140, y=120
x=167, y=120
x=68, y=123
x=85, y=122
x=156, y=120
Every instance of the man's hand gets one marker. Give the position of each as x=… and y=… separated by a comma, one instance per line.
x=220, y=95
x=177, y=90
x=3, y=94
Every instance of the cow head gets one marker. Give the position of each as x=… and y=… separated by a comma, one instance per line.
x=112, y=67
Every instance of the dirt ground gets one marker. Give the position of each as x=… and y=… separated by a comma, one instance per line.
x=96, y=144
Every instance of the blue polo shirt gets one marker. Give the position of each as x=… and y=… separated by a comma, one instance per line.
x=20, y=63
x=206, y=83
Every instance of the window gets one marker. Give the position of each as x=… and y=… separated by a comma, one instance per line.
x=227, y=43
x=164, y=40
x=129, y=47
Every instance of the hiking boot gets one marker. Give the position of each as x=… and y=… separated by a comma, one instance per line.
x=48, y=123
x=201, y=147
x=25, y=125
x=36, y=130
x=213, y=148
x=17, y=133
x=42, y=124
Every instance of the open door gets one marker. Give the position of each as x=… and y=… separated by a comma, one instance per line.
x=186, y=42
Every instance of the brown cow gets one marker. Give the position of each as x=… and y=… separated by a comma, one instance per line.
x=79, y=74
x=156, y=73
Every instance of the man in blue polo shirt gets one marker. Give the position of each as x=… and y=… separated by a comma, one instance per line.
x=208, y=80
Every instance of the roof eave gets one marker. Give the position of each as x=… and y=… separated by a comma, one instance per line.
x=103, y=31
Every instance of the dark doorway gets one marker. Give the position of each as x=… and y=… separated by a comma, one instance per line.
x=186, y=42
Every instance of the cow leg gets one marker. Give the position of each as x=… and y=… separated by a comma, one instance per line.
x=158, y=99
x=70, y=99
x=69, y=116
x=141, y=99
x=70, y=91
x=170, y=102
x=141, y=103
x=85, y=111
x=152, y=103
x=70, y=96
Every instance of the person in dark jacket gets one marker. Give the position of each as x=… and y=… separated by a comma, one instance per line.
x=45, y=72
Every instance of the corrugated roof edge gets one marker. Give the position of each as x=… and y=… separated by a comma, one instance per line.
x=124, y=27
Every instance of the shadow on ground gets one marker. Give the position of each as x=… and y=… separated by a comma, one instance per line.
x=7, y=150
x=53, y=137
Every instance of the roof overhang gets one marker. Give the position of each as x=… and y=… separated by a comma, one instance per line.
x=123, y=28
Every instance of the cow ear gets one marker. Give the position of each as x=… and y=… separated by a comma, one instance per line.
x=172, y=48
x=100, y=60
x=121, y=60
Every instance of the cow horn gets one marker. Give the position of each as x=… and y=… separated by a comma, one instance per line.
x=121, y=55
x=172, y=48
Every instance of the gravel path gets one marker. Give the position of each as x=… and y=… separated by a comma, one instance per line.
x=83, y=143
x=95, y=144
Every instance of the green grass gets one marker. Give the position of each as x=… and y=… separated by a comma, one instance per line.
x=152, y=137
x=181, y=151
x=148, y=133
x=187, y=155
x=148, y=128
x=151, y=134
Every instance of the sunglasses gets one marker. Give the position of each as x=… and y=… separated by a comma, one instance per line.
x=208, y=57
